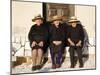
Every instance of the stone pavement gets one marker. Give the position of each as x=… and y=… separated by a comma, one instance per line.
x=26, y=68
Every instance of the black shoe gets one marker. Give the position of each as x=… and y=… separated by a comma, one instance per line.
x=33, y=68
x=38, y=67
x=81, y=66
x=58, y=65
x=72, y=66
x=53, y=66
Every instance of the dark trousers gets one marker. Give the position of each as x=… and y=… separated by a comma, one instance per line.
x=72, y=55
x=56, y=53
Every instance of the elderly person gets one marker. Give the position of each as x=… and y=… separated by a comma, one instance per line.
x=57, y=38
x=75, y=37
x=38, y=36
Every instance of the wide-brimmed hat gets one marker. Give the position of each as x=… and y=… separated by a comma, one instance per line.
x=54, y=18
x=73, y=19
x=37, y=17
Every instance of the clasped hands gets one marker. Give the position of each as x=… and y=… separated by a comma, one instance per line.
x=35, y=43
x=57, y=42
x=73, y=44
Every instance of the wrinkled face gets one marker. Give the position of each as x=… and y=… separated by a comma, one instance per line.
x=73, y=24
x=56, y=22
x=38, y=21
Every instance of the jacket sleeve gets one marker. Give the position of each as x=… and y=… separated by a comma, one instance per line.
x=68, y=32
x=81, y=33
x=30, y=34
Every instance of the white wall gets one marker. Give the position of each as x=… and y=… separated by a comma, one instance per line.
x=86, y=14
x=22, y=14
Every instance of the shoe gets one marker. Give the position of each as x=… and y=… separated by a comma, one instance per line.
x=58, y=65
x=72, y=66
x=53, y=66
x=81, y=66
x=38, y=67
x=33, y=68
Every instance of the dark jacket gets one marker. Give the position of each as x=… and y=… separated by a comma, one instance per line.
x=57, y=34
x=38, y=33
x=76, y=34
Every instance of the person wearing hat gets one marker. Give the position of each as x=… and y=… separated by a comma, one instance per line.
x=57, y=37
x=38, y=36
x=75, y=37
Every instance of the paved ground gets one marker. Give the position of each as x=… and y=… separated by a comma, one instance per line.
x=24, y=68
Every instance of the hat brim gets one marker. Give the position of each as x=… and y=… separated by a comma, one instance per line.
x=36, y=19
x=59, y=19
x=70, y=21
